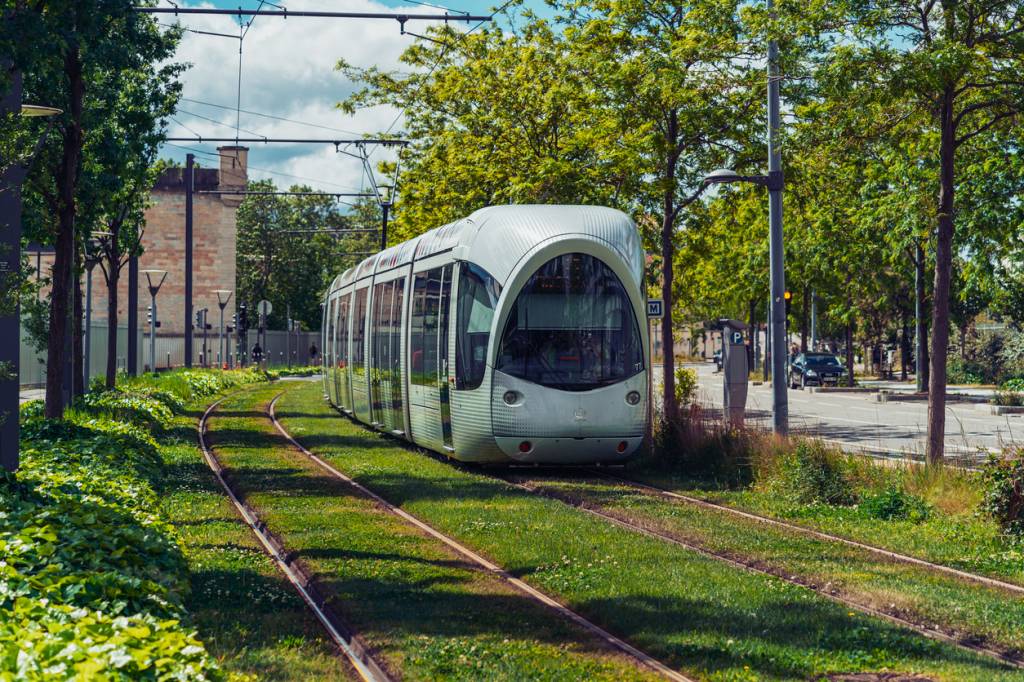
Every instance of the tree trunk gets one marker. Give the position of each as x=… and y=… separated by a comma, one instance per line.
x=849, y=354
x=113, y=278
x=940, y=294
x=805, y=317
x=669, y=406
x=67, y=180
x=77, y=347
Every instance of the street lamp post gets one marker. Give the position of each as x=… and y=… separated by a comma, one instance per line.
x=153, y=321
x=223, y=296
x=12, y=175
x=92, y=258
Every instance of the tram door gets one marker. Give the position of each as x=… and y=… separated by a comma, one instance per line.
x=445, y=368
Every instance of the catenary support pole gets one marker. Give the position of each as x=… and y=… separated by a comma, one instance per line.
x=385, y=206
x=10, y=260
x=814, y=321
x=189, y=188
x=152, y=331
x=776, y=256
x=920, y=328
x=133, y=316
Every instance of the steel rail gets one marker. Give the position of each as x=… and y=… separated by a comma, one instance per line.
x=931, y=633
x=820, y=535
x=461, y=549
x=343, y=636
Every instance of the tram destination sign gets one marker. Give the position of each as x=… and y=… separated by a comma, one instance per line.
x=655, y=308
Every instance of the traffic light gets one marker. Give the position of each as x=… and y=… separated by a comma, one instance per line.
x=788, y=296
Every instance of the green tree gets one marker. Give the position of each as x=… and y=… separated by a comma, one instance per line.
x=956, y=65
x=105, y=66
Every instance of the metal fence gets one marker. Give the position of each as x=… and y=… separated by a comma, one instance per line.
x=280, y=349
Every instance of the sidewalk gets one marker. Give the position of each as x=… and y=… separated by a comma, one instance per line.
x=911, y=387
x=27, y=394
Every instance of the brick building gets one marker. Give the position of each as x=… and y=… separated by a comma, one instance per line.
x=213, y=250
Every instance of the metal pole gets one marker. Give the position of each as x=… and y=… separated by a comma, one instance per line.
x=189, y=188
x=288, y=336
x=384, y=225
x=920, y=338
x=133, y=316
x=206, y=355
x=152, y=332
x=814, y=321
x=220, y=337
x=10, y=324
x=88, y=325
x=780, y=401
x=767, y=340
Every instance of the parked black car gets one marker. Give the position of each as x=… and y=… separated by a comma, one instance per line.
x=815, y=369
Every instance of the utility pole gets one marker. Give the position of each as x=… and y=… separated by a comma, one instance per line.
x=10, y=262
x=190, y=160
x=920, y=328
x=814, y=321
x=384, y=206
x=133, y=316
x=776, y=255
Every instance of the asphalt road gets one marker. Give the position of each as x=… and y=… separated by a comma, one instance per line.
x=855, y=421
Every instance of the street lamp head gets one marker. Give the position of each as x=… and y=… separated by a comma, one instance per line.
x=150, y=274
x=722, y=175
x=36, y=111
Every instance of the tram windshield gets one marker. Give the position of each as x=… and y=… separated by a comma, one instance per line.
x=572, y=327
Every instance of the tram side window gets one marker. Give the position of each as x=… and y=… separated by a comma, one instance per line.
x=478, y=294
x=359, y=331
x=423, y=334
x=329, y=349
x=342, y=333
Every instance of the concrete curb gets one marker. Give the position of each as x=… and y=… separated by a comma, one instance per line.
x=841, y=389
x=887, y=397
x=1002, y=409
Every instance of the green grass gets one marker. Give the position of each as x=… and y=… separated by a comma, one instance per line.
x=429, y=613
x=902, y=589
x=954, y=534
x=692, y=612
x=247, y=614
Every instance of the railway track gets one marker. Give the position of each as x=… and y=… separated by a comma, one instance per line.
x=1010, y=658
x=523, y=587
x=810, y=532
x=344, y=637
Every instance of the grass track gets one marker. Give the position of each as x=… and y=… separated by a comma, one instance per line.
x=956, y=606
x=247, y=613
x=689, y=611
x=427, y=613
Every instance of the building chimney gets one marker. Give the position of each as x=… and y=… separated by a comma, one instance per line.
x=233, y=161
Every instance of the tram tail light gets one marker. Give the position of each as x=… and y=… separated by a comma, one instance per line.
x=622, y=446
x=525, y=446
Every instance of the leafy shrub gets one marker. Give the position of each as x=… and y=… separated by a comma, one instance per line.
x=686, y=385
x=91, y=578
x=960, y=371
x=895, y=504
x=1003, y=481
x=1015, y=385
x=810, y=473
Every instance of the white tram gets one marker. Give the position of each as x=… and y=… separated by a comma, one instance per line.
x=515, y=334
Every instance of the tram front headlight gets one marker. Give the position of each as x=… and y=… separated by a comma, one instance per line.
x=511, y=397
x=633, y=397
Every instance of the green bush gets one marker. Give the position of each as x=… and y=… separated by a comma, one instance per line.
x=91, y=578
x=895, y=504
x=1015, y=385
x=1003, y=500
x=686, y=385
x=959, y=371
x=810, y=473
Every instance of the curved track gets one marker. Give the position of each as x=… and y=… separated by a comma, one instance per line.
x=531, y=592
x=754, y=567
x=342, y=635
x=820, y=535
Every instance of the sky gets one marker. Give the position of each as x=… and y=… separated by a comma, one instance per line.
x=288, y=72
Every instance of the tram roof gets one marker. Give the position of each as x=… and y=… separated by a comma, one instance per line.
x=497, y=237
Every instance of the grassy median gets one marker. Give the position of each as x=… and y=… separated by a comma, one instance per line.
x=429, y=613
x=923, y=596
x=692, y=612
x=247, y=613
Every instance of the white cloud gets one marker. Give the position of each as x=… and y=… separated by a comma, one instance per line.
x=287, y=71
